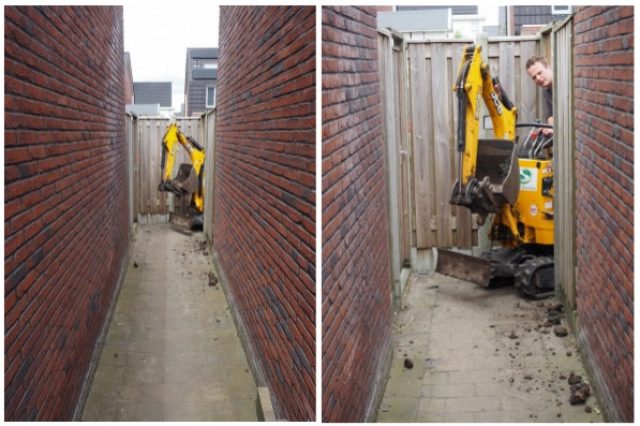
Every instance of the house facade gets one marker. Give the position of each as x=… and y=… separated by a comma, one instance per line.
x=201, y=75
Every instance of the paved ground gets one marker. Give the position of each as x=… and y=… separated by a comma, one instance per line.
x=171, y=352
x=479, y=356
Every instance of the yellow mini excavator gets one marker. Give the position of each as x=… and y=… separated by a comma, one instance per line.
x=502, y=176
x=189, y=179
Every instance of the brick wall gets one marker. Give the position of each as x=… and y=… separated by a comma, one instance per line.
x=604, y=198
x=356, y=288
x=264, y=221
x=66, y=221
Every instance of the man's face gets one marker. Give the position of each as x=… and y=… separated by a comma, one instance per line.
x=541, y=75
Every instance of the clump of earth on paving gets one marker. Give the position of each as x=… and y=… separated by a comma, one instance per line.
x=580, y=390
x=213, y=280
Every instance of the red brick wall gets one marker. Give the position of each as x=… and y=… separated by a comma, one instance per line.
x=264, y=221
x=356, y=288
x=604, y=198
x=66, y=220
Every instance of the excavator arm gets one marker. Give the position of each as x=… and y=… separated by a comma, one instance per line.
x=189, y=179
x=488, y=173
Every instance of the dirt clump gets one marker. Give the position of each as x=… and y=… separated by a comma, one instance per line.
x=213, y=280
x=573, y=378
x=560, y=331
x=579, y=393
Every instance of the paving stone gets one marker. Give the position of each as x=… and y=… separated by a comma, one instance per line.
x=448, y=390
x=398, y=409
x=471, y=404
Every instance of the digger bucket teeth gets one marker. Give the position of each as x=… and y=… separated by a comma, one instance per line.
x=464, y=267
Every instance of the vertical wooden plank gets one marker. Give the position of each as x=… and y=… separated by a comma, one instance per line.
x=401, y=70
x=440, y=95
x=208, y=135
x=395, y=90
x=564, y=231
x=506, y=71
x=421, y=121
x=528, y=106
x=144, y=166
x=387, y=86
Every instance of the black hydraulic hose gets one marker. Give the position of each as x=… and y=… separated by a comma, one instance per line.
x=462, y=106
x=164, y=157
x=540, y=125
x=462, y=125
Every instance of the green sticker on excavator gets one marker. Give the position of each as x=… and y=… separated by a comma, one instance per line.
x=528, y=179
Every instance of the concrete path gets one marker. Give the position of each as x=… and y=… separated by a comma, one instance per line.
x=172, y=352
x=479, y=355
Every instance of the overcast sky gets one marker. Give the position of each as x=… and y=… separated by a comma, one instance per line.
x=157, y=36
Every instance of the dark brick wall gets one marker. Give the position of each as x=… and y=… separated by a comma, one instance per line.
x=604, y=198
x=264, y=220
x=356, y=287
x=66, y=220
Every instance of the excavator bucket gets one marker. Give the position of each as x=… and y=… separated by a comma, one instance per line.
x=497, y=160
x=186, y=179
x=464, y=267
x=185, y=182
x=496, y=181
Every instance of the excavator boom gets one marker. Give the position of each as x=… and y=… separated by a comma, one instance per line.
x=189, y=179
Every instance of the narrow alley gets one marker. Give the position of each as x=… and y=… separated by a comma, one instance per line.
x=172, y=351
x=463, y=353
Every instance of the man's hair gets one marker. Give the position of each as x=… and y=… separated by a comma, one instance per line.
x=532, y=60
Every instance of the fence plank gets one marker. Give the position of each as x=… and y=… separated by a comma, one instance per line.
x=405, y=216
x=208, y=131
x=528, y=101
x=422, y=161
x=564, y=148
x=440, y=94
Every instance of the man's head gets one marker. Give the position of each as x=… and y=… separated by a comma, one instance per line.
x=539, y=71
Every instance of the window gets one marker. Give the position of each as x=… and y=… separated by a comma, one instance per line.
x=211, y=97
x=560, y=10
x=206, y=64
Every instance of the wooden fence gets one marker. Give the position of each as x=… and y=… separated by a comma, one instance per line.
x=420, y=122
x=564, y=147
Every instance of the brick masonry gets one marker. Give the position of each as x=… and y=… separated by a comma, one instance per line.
x=66, y=233
x=264, y=205
x=604, y=197
x=356, y=288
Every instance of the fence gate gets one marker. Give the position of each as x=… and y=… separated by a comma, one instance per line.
x=564, y=147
